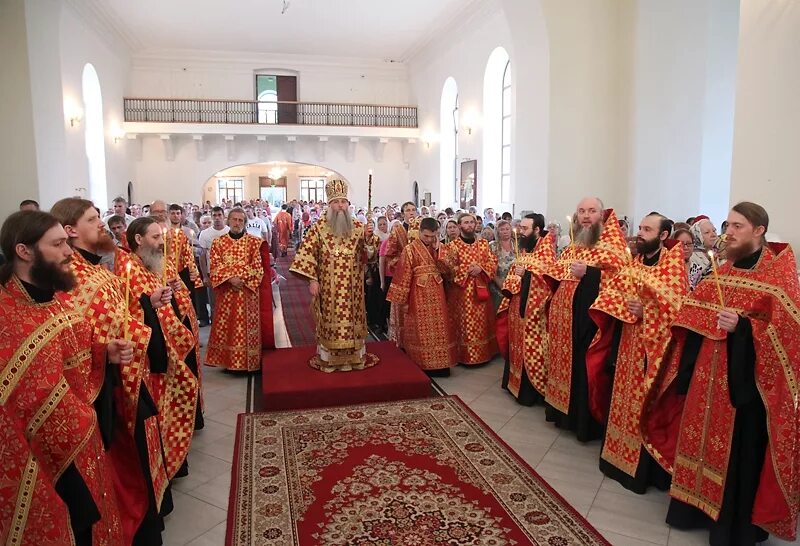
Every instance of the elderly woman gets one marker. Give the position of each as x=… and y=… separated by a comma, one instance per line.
x=503, y=248
x=704, y=237
x=451, y=231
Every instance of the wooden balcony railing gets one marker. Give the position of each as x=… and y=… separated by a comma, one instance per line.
x=268, y=113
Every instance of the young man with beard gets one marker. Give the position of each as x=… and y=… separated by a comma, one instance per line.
x=471, y=266
x=633, y=312
x=236, y=272
x=597, y=251
x=332, y=258
x=128, y=416
x=528, y=294
x=722, y=412
x=51, y=370
x=417, y=292
x=402, y=234
x=172, y=383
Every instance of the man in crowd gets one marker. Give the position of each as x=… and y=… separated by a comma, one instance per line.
x=127, y=416
x=256, y=226
x=207, y=236
x=401, y=235
x=56, y=482
x=117, y=226
x=158, y=210
x=28, y=204
x=471, y=265
x=529, y=294
x=120, y=208
x=597, y=251
x=173, y=384
x=722, y=411
x=284, y=227
x=331, y=257
x=633, y=312
x=418, y=292
x=236, y=272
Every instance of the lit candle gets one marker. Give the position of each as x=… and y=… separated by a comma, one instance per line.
x=716, y=277
x=175, y=250
x=630, y=262
x=571, y=230
x=164, y=236
x=125, y=333
x=516, y=244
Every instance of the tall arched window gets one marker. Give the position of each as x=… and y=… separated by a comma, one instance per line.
x=94, y=136
x=448, y=148
x=497, y=130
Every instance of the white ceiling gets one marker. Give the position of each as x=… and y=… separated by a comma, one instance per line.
x=369, y=29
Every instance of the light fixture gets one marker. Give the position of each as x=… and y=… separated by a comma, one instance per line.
x=471, y=121
x=429, y=137
x=276, y=173
x=73, y=113
x=118, y=135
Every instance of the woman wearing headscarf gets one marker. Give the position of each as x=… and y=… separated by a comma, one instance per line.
x=704, y=237
x=504, y=249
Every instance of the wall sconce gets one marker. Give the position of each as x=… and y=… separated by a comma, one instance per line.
x=429, y=138
x=75, y=119
x=471, y=121
x=118, y=135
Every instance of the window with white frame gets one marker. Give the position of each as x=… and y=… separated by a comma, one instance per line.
x=505, y=137
x=448, y=144
x=497, y=131
x=230, y=188
x=312, y=189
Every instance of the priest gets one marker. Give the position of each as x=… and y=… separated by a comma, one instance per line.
x=633, y=312
x=283, y=227
x=51, y=371
x=126, y=410
x=170, y=380
x=236, y=273
x=722, y=412
x=528, y=294
x=331, y=258
x=418, y=293
x=596, y=252
x=471, y=266
x=401, y=235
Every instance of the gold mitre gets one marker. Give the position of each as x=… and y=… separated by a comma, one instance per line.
x=336, y=189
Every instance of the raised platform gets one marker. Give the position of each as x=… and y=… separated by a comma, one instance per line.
x=288, y=382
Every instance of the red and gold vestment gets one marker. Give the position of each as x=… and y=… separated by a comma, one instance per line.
x=235, y=341
x=180, y=254
x=175, y=391
x=690, y=435
x=468, y=299
x=48, y=380
x=284, y=225
x=337, y=264
x=608, y=255
x=528, y=333
x=398, y=239
x=418, y=291
x=661, y=289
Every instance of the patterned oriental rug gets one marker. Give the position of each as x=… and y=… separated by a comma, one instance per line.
x=423, y=472
x=296, y=303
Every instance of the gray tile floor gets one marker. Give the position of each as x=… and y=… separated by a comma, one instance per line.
x=570, y=467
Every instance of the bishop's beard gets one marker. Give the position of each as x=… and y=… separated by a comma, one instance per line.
x=340, y=223
x=588, y=236
x=153, y=259
x=48, y=275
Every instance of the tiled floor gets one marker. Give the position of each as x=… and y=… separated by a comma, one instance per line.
x=570, y=467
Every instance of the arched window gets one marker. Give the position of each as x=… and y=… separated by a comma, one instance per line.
x=94, y=136
x=497, y=130
x=448, y=149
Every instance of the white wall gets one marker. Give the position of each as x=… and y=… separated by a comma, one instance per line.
x=766, y=162
x=18, y=146
x=183, y=178
x=231, y=75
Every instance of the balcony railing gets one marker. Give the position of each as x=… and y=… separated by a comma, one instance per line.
x=268, y=113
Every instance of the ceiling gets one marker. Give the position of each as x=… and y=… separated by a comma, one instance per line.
x=370, y=29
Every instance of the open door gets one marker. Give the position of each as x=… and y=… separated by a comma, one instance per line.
x=287, y=99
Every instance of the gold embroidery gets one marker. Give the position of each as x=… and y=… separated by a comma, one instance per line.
x=44, y=411
x=23, y=505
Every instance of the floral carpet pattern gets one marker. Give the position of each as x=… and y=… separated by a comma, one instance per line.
x=420, y=472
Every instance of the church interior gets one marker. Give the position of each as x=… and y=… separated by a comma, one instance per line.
x=681, y=107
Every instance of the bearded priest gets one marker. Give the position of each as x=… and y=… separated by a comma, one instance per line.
x=236, y=273
x=332, y=258
x=633, y=313
x=722, y=412
x=471, y=266
x=596, y=252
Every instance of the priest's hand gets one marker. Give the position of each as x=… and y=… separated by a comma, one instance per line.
x=174, y=284
x=313, y=288
x=635, y=308
x=578, y=270
x=727, y=320
x=119, y=351
x=161, y=297
x=193, y=275
x=236, y=283
x=475, y=270
x=519, y=270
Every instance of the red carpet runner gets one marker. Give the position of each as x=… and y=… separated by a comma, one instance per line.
x=296, y=303
x=399, y=473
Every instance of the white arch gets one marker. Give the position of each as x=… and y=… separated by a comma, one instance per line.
x=448, y=149
x=492, y=129
x=94, y=136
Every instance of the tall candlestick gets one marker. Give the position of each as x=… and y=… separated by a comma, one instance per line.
x=127, y=316
x=369, y=193
x=571, y=230
x=716, y=277
x=164, y=236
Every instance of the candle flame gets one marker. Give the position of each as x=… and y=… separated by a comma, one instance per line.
x=711, y=254
x=370, y=172
x=128, y=267
x=569, y=218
